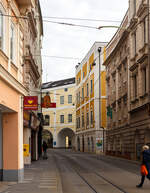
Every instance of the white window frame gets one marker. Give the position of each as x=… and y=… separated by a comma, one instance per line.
x=69, y=99
x=12, y=43
x=61, y=100
x=2, y=30
x=62, y=118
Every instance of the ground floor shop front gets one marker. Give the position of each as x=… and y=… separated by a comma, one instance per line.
x=11, y=133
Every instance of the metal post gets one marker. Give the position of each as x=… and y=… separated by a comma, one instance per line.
x=99, y=51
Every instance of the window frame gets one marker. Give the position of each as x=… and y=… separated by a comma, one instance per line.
x=61, y=100
x=69, y=99
x=62, y=118
x=2, y=29
x=69, y=118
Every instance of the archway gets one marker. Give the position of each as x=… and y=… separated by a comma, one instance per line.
x=66, y=138
x=47, y=137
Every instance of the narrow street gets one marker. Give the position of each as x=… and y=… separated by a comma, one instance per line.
x=66, y=171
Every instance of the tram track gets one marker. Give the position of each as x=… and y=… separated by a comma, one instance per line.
x=76, y=167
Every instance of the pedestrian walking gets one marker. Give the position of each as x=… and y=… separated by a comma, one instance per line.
x=145, y=166
x=45, y=150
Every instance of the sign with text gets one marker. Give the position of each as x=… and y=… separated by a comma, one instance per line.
x=26, y=150
x=30, y=103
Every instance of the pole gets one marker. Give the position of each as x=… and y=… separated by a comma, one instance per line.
x=99, y=51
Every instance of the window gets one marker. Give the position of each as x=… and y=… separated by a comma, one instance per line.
x=66, y=89
x=79, y=97
x=134, y=7
x=79, y=122
x=87, y=87
x=144, y=31
x=82, y=120
x=46, y=120
x=83, y=75
x=83, y=93
x=91, y=86
x=69, y=99
x=61, y=118
x=1, y=31
x=135, y=85
x=61, y=99
x=87, y=119
x=144, y=80
x=12, y=43
x=134, y=44
x=69, y=118
x=91, y=117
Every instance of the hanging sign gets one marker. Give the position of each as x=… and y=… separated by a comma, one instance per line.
x=46, y=102
x=30, y=103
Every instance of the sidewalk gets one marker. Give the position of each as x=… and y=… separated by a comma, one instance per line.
x=40, y=177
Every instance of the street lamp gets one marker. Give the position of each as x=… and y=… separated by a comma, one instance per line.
x=99, y=51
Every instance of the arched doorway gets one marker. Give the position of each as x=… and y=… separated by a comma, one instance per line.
x=47, y=137
x=66, y=138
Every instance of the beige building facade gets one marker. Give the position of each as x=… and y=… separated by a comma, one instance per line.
x=59, y=122
x=13, y=44
x=127, y=74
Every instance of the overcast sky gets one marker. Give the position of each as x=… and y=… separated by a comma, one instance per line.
x=75, y=42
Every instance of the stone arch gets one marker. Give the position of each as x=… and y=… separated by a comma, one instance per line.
x=63, y=135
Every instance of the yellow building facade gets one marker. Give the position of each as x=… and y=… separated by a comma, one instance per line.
x=91, y=101
x=59, y=122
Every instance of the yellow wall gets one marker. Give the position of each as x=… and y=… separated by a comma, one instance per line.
x=61, y=109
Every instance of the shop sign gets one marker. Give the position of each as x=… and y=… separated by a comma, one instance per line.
x=26, y=150
x=30, y=103
x=46, y=102
x=99, y=143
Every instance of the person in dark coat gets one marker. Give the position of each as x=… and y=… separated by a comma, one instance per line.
x=146, y=162
x=45, y=149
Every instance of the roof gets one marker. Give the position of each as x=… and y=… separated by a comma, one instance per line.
x=53, y=84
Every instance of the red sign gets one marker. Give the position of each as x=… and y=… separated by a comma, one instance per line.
x=46, y=102
x=30, y=103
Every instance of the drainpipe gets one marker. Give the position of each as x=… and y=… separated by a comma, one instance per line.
x=148, y=54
